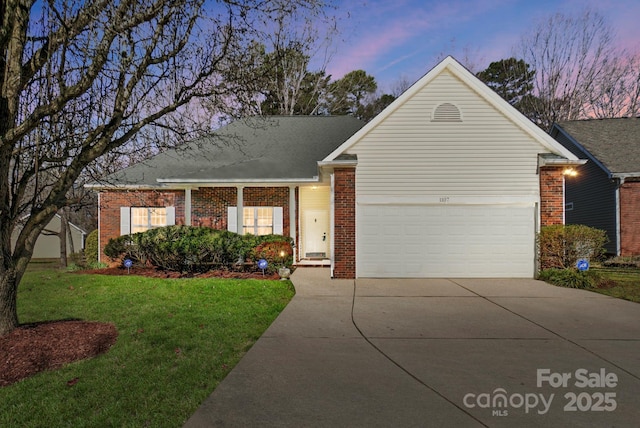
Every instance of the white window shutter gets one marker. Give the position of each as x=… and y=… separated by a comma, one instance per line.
x=125, y=220
x=278, y=220
x=171, y=216
x=232, y=219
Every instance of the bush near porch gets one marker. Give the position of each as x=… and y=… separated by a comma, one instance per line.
x=561, y=246
x=196, y=249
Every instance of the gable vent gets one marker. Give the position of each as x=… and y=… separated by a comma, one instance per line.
x=446, y=112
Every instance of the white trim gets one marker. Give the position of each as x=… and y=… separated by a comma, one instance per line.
x=624, y=175
x=187, y=206
x=240, y=210
x=232, y=219
x=322, y=262
x=292, y=219
x=332, y=223
x=179, y=184
x=560, y=162
x=448, y=200
x=451, y=65
x=618, y=229
x=170, y=216
x=235, y=181
x=125, y=220
x=277, y=221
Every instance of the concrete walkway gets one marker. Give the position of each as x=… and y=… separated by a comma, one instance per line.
x=436, y=352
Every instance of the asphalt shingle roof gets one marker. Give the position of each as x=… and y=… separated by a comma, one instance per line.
x=266, y=148
x=613, y=142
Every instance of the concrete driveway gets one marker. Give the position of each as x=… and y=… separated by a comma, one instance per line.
x=436, y=352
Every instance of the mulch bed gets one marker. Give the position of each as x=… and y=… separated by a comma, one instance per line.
x=157, y=273
x=33, y=348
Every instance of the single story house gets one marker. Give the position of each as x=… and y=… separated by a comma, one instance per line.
x=606, y=194
x=448, y=181
x=48, y=244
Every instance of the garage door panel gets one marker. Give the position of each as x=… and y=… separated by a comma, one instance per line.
x=445, y=241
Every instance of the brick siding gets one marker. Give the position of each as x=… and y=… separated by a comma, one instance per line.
x=551, y=195
x=208, y=206
x=111, y=201
x=344, y=223
x=630, y=218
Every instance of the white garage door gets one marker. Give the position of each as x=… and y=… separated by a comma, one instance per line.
x=411, y=241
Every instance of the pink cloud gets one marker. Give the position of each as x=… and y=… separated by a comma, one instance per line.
x=389, y=27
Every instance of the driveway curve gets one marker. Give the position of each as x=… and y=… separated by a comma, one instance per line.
x=436, y=352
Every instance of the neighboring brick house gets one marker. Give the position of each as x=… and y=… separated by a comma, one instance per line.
x=606, y=194
x=449, y=180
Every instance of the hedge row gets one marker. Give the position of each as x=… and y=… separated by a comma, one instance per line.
x=199, y=249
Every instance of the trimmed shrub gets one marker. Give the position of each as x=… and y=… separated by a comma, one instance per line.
x=199, y=249
x=124, y=247
x=91, y=248
x=277, y=253
x=561, y=246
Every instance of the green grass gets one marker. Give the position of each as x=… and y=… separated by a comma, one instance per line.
x=627, y=282
x=142, y=380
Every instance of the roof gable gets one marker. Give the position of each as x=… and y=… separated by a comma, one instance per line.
x=613, y=144
x=450, y=65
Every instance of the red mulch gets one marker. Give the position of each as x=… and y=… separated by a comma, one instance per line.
x=157, y=273
x=33, y=348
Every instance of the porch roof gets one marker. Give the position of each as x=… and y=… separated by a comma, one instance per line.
x=269, y=149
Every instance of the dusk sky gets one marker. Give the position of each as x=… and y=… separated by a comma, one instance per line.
x=405, y=38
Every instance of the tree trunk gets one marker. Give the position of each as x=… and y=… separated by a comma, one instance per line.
x=72, y=247
x=62, y=234
x=8, y=307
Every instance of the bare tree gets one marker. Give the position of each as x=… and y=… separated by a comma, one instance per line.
x=399, y=86
x=280, y=64
x=111, y=69
x=617, y=91
x=576, y=63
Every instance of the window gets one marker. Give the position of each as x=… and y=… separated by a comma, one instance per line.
x=147, y=218
x=139, y=219
x=257, y=220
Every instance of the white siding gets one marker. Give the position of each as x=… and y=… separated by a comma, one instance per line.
x=410, y=155
x=48, y=246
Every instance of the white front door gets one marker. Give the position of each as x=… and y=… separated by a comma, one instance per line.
x=316, y=233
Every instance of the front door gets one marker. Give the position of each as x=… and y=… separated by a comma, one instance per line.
x=316, y=234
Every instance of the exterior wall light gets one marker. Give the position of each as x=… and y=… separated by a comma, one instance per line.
x=570, y=172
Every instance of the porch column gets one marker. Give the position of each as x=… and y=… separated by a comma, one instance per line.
x=240, y=210
x=293, y=219
x=187, y=206
x=344, y=207
x=551, y=195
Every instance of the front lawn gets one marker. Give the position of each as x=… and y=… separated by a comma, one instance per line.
x=626, y=280
x=178, y=338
